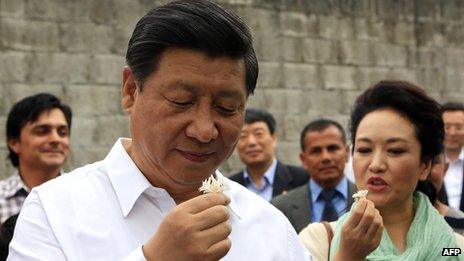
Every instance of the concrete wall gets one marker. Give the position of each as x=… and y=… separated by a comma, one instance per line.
x=315, y=57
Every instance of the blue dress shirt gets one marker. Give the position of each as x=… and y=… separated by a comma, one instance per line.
x=340, y=199
x=268, y=178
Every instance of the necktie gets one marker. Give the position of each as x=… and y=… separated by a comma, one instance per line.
x=329, y=213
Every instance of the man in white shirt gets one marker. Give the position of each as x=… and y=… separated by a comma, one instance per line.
x=453, y=117
x=191, y=67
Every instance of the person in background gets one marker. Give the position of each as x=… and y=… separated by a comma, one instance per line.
x=37, y=135
x=454, y=217
x=264, y=174
x=191, y=68
x=324, y=153
x=453, y=117
x=396, y=132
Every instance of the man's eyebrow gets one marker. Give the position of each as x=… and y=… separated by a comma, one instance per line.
x=258, y=129
x=187, y=87
x=47, y=125
x=236, y=94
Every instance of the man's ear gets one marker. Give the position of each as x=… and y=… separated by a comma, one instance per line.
x=13, y=144
x=274, y=137
x=302, y=159
x=128, y=90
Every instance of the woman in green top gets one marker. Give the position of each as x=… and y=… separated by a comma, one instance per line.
x=397, y=130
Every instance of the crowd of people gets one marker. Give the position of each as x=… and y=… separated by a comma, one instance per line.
x=191, y=68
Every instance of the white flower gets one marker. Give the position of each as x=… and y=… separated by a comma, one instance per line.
x=213, y=185
x=360, y=194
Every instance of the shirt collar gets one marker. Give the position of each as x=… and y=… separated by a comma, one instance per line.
x=459, y=158
x=12, y=185
x=316, y=190
x=268, y=175
x=127, y=180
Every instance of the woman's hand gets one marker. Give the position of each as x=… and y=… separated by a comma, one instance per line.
x=362, y=232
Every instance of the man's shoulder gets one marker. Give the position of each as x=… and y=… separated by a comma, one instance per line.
x=237, y=177
x=299, y=174
x=249, y=203
x=351, y=187
x=294, y=169
x=85, y=177
x=291, y=196
x=9, y=185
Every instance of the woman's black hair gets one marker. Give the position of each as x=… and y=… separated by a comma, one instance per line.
x=412, y=102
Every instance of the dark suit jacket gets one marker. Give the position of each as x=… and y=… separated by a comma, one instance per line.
x=443, y=196
x=286, y=178
x=297, y=205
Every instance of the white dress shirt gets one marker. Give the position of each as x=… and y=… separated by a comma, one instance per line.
x=453, y=181
x=107, y=210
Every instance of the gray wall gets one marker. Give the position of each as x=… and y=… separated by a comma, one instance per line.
x=315, y=58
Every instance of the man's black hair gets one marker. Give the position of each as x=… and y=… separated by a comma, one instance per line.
x=28, y=110
x=255, y=115
x=319, y=126
x=452, y=106
x=198, y=25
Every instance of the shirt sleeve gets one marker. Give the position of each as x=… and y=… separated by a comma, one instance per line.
x=314, y=238
x=33, y=237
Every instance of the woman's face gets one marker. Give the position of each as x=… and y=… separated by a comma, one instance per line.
x=386, y=159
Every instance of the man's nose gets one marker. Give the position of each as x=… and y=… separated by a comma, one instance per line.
x=54, y=136
x=251, y=140
x=326, y=156
x=203, y=127
x=451, y=130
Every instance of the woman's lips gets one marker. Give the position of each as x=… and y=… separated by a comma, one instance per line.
x=376, y=184
x=196, y=156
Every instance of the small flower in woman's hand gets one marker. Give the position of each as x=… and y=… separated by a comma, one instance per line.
x=360, y=194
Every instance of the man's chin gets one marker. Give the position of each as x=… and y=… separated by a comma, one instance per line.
x=193, y=176
x=453, y=146
x=254, y=162
x=54, y=163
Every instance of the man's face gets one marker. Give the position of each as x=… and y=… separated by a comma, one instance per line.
x=187, y=118
x=325, y=156
x=256, y=145
x=44, y=143
x=454, y=129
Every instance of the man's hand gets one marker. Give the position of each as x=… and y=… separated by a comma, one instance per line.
x=196, y=229
x=361, y=233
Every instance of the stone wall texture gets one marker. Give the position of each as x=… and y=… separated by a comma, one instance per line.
x=315, y=57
